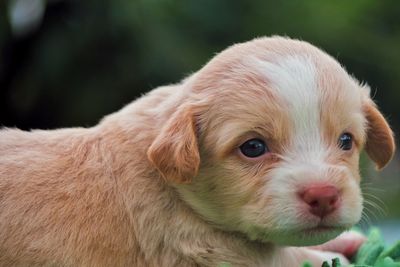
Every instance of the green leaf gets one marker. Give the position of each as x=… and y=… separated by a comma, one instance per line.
x=336, y=262
x=371, y=249
x=393, y=252
x=307, y=264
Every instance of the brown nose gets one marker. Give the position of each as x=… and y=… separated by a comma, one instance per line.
x=322, y=200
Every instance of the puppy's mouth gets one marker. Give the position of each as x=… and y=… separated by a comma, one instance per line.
x=322, y=229
x=324, y=226
x=303, y=236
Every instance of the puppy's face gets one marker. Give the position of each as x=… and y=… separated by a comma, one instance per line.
x=270, y=142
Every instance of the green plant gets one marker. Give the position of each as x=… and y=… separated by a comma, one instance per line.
x=373, y=253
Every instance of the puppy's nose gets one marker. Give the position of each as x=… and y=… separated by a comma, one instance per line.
x=322, y=200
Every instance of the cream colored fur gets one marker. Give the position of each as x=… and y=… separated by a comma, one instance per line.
x=160, y=182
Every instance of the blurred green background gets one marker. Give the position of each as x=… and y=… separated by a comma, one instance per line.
x=69, y=62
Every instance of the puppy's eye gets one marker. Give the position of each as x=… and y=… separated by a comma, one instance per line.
x=346, y=141
x=253, y=148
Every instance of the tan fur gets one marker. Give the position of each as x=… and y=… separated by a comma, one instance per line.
x=175, y=151
x=161, y=182
x=380, y=145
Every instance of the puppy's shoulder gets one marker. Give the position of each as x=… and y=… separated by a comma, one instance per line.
x=10, y=137
x=18, y=144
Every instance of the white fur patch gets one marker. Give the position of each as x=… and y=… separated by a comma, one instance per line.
x=295, y=80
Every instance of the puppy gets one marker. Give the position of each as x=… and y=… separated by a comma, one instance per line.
x=245, y=162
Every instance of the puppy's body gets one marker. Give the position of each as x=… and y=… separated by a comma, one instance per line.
x=89, y=197
x=151, y=186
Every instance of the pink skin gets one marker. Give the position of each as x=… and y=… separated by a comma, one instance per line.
x=347, y=244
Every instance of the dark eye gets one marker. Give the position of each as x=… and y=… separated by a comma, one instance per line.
x=346, y=141
x=253, y=148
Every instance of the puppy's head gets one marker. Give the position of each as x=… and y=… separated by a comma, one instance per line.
x=267, y=144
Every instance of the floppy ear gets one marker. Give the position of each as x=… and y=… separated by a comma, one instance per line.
x=175, y=151
x=380, y=145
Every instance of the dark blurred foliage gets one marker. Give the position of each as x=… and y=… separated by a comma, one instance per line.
x=87, y=58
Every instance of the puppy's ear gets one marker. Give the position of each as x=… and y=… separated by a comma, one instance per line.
x=175, y=151
x=380, y=145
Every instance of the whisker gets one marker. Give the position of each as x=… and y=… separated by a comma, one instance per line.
x=379, y=207
x=376, y=198
x=365, y=220
x=372, y=190
x=375, y=203
x=372, y=211
x=375, y=208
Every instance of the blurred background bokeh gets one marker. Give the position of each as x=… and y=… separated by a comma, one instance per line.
x=67, y=63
